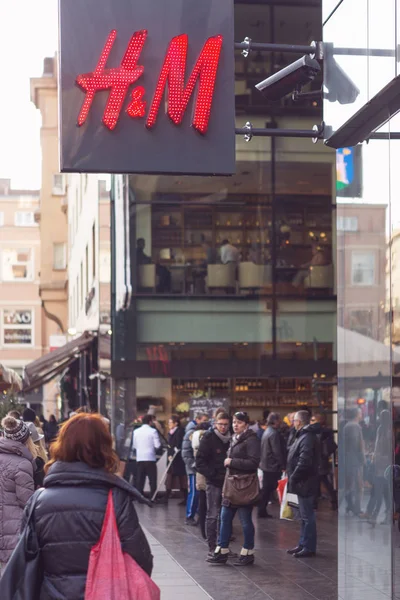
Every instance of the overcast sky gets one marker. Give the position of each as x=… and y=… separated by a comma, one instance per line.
x=28, y=34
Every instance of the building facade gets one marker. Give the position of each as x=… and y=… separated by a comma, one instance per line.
x=362, y=248
x=361, y=62
x=52, y=219
x=257, y=332
x=21, y=314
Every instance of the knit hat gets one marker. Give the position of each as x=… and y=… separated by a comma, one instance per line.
x=15, y=430
x=29, y=415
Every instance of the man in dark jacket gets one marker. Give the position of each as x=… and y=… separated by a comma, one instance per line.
x=327, y=447
x=273, y=462
x=210, y=459
x=302, y=471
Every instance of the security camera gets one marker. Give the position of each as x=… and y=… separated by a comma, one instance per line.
x=289, y=78
x=340, y=88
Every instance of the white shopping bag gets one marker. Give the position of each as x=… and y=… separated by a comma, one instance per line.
x=286, y=511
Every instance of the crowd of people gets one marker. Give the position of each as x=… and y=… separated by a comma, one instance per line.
x=215, y=464
x=63, y=475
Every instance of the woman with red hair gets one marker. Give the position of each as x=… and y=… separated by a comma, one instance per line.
x=69, y=513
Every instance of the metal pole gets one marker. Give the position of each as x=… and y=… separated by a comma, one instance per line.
x=297, y=133
x=274, y=47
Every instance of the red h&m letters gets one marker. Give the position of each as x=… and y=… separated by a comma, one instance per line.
x=118, y=81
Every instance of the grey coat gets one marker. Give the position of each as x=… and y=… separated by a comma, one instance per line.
x=187, y=449
x=273, y=455
x=16, y=487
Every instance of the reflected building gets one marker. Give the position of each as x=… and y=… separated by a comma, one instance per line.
x=362, y=248
x=364, y=61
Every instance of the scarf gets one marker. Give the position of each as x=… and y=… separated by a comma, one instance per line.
x=172, y=431
x=224, y=438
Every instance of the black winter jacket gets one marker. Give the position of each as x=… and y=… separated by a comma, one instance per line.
x=175, y=441
x=273, y=451
x=327, y=447
x=245, y=453
x=210, y=458
x=69, y=516
x=303, y=462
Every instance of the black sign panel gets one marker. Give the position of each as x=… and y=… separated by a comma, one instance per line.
x=147, y=86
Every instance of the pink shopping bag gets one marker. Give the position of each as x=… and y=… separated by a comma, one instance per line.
x=113, y=575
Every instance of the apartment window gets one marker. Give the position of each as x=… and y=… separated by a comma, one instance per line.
x=87, y=270
x=59, y=256
x=58, y=184
x=94, y=251
x=363, y=268
x=1, y=219
x=81, y=303
x=77, y=298
x=105, y=266
x=361, y=321
x=17, y=327
x=17, y=264
x=24, y=219
x=347, y=223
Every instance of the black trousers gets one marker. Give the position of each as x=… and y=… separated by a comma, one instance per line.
x=270, y=483
x=146, y=468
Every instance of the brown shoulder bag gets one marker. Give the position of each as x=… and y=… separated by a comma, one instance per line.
x=241, y=490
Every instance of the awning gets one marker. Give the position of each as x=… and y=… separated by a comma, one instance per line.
x=45, y=368
x=9, y=380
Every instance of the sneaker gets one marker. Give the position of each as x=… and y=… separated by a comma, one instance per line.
x=244, y=561
x=295, y=550
x=191, y=521
x=304, y=553
x=218, y=559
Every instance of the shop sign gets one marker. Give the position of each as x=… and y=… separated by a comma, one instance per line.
x=18, y=336
x=123, y=63
x=17, y=327
x=57, y=341
x=17, y=317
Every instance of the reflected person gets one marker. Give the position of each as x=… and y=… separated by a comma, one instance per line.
x=163, y=274
x=319, y=259
x=353, y=461
x=381, y=461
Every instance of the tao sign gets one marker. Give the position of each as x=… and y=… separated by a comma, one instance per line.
x=114, y=92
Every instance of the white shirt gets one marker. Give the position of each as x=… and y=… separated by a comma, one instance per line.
x=229, y=254
x=146, y=441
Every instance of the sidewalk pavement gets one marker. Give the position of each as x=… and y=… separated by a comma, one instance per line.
x=174, y=582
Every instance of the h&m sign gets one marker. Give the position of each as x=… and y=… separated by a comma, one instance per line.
x=123, y=63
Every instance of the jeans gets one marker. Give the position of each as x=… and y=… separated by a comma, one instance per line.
x=193, y=498
x=214, y=499
x=353, y=487
x=308, y=530
x=227, y=515
x=270, y=483
x=146, y=468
